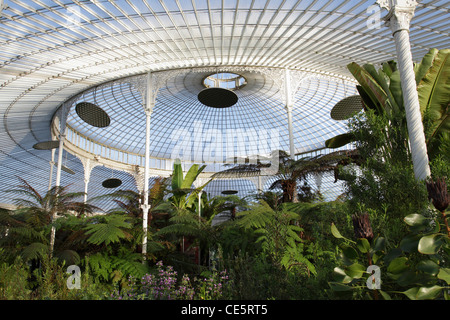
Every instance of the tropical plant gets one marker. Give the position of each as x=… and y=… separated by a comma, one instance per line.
x=416, y=267
x=291, y=172
x=380, y=91
x=29, y=226
x=277, y=233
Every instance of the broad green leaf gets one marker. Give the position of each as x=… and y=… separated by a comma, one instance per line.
x=355, y=271
x=191, y=175
x=428, y=293
x=336, y=286
x=335, y=232
x=177, y=175
x=363, y=245
x=444, y=274
x=421, y=69
x=430, y=244
x=395, y=90
x=341, y=276
x=434, y=87
x=415, y=220
x=366, y=99
x=370, y=86
x=410, y=243
x=429, y=267
x=349, y=252
x=398, y=265
x=406, y=278
x=385, y=295
x=340, y=140
x=379, y=244
x=411, y=293
x=434, y=92
x=384, y=81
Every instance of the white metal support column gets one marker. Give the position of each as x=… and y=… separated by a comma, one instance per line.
x=149, y=104
x=398, y=19
x=52, y=164
x=62, y=136
x=88, y=165
x=289, y=106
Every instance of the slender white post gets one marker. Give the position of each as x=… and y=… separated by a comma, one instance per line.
x=199, y=216
x=398, y=19
x=87, y=177
x=145, y=208
x=62, y=136
x=52, y=163
x=289, y=106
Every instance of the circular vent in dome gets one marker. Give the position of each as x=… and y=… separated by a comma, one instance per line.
x=46, y=145
x=92, y=114
x=111, y=183
x=345, y=108
x=217, y=97
x=229, y=192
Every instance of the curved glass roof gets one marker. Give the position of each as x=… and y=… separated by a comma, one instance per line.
x=177, y=110
x=55, y=50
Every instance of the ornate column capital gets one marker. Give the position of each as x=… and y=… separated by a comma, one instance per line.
x=400, y=13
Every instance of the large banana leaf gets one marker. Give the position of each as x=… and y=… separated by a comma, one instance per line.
x=384, y=82
x=376, y=93
x=434, y=97
x=421, y=69
x=177, y=176
x=340, y=140
x=179, y=182
x=191, y=175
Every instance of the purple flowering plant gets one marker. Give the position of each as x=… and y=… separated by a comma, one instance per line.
x=166, y=285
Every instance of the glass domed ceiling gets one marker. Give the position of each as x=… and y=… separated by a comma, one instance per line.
x=260, y=107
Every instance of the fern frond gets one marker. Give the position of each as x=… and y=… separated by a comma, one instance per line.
x=110, y=231
x=101, y=266
x=69, y=257
x=129, y=264
x=35, y=250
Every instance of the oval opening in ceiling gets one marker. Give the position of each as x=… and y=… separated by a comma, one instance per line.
x=92, y=114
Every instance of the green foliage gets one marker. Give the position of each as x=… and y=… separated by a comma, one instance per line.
x=384, y=182
x=108, y=229
x=381, y=93
x=277, y=234
x=417, y=268
x=14, y=280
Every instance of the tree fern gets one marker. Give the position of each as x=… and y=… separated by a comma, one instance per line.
x=293, y=259
x=100, y=266
x=35, y=250
x=111, y=229
x=129, y=264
